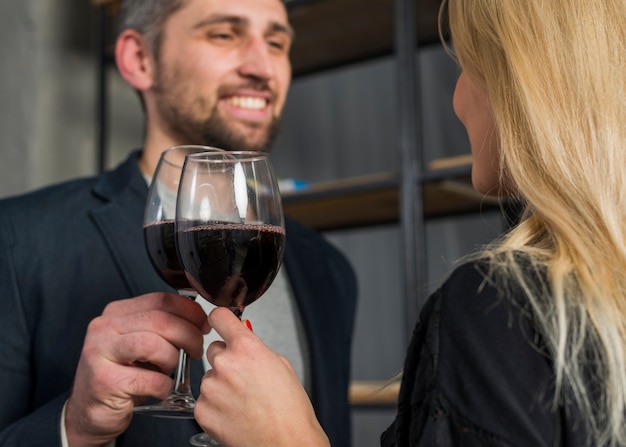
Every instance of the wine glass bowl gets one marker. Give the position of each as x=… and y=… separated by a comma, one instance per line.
x=229, y=226
x=231, y=264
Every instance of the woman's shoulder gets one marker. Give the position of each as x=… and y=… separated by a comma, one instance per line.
x=467, y=281
x=475, y=364
x=478, y=300
x=490, y=366
x=482, y=282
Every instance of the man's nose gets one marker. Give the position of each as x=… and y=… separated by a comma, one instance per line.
x=257, y=61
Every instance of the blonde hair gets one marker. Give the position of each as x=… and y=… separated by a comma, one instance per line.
x=555, y=74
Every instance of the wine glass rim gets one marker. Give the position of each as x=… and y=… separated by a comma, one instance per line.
x=210, y=148
x=228, y=156
x=202, y=149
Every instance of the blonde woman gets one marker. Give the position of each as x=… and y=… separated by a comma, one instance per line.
x=524, y=344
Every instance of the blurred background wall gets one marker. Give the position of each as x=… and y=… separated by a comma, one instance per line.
x=338, y=123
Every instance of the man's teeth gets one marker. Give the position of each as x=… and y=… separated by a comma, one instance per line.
x=247, y=102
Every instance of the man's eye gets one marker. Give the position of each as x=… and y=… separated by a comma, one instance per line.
x=221, y=36
x=279, y=44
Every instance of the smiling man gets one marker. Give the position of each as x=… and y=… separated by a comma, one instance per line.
x=84, y=313
x=217, y=73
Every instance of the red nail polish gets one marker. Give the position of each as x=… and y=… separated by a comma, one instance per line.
x=248, y=324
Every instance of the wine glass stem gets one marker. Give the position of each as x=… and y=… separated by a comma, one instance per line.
x=181, y=380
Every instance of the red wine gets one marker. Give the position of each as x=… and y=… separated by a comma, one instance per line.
x=161, y=244
x=230, y=264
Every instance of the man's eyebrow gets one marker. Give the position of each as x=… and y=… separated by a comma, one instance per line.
x=220, y=18
x=281, y=28
x=275, y=27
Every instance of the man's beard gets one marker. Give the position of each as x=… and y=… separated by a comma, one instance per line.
x=192, y=122
x=213, y=130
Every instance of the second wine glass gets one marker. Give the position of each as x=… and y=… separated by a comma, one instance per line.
x=159, y=237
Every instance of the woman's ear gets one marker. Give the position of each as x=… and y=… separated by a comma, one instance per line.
x=134, y=60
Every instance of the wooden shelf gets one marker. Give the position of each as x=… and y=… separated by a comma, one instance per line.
x=374, y=393
x=111, y=5
x=374, y=199
x=333, y=33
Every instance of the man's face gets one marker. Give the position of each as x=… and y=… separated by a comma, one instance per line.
x=223, y=72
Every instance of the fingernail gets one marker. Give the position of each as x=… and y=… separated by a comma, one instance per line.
x=248, y=324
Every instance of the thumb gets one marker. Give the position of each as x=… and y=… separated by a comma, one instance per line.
x=226, y=323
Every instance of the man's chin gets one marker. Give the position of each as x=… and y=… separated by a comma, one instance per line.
x=250, y=137
x=238, y=142
x=233, y=134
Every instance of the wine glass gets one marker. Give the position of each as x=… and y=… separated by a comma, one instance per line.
x=158, y=230
x=230, y=229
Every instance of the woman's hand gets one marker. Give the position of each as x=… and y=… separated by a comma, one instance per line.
x=252, y=397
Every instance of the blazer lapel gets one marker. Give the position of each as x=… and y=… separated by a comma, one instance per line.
x=119, y=219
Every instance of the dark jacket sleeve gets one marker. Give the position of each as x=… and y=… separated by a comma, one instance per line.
x=42, y=428
x=17, y=426
x=57, y=272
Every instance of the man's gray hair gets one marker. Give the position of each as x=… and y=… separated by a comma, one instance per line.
x=147, y=18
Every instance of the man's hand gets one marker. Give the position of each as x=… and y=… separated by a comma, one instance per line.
x=128, y=354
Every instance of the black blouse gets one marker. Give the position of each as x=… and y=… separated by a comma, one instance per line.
x=475, y=375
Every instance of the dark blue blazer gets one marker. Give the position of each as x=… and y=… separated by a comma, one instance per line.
x=68, y=250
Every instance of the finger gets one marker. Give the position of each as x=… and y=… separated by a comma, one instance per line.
x=168, y=302
x=111, y=380
x=146, y=383
x=226, y=324
x=176, y=330
x=139, y=383
x=287, y=363
x=145, y=347
x=102, y=341
x=214, y=349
